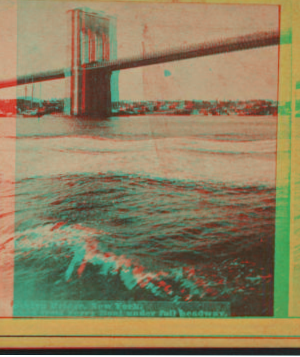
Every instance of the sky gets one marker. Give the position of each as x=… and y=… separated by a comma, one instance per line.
x=35, y=35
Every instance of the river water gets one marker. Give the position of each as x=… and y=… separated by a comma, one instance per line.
x=152, y=208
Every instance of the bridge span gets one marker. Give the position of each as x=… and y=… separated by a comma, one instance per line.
x=90, y=80
x=240, y=43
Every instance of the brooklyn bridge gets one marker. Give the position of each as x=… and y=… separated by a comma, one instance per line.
x=93, y=61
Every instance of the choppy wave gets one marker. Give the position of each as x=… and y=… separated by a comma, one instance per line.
x=163, y=209
x=146, y=239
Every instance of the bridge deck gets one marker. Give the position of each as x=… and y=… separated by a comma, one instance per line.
x=257, y=40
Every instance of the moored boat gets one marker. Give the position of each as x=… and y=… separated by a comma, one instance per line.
x=34, y=113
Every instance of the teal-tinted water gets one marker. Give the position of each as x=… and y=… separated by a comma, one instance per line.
x=146, y=208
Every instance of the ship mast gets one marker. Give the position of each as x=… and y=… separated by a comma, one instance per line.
x=40, y=99
x=32, y=91
x=32, y=95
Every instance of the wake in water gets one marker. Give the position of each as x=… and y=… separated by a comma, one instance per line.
x=157, y=209
x=120, y=237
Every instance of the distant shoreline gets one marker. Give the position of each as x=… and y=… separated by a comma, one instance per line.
x=160, y=107
x=122, y=114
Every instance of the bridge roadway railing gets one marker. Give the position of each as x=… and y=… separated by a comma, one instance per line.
x=36, y=77
x=246, y=42
x=256, y=40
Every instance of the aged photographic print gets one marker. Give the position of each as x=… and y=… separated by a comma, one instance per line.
x=144, y=140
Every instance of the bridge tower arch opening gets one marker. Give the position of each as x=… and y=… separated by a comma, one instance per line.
x=93, y=40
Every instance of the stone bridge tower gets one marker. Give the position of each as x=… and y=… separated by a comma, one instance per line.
x=93, y=39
